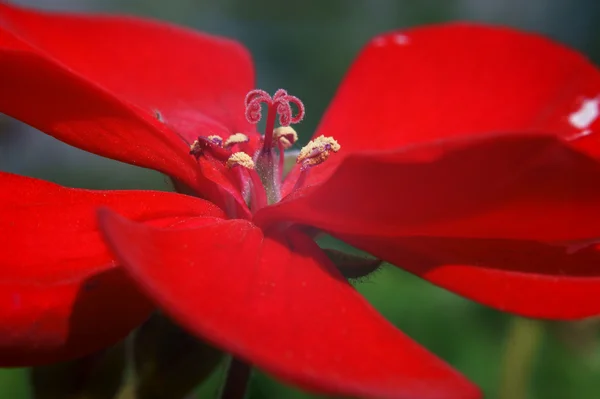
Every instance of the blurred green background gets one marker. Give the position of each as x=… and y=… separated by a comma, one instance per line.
x=305, y=47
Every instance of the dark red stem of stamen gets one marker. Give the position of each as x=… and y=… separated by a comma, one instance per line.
x=281, y=161
x=301, y=180
x=242, y=180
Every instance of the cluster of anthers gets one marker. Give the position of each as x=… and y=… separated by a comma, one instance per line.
x=261, y=174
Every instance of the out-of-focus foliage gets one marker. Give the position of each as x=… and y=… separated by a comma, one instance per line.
x=305, y=47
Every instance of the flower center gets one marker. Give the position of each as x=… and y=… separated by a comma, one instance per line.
x=259, y=175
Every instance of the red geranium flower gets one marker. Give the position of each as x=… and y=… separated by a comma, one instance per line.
x=467, y=155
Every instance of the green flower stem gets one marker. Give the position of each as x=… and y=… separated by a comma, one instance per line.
x=522, y=341
x=236, y=380
x=127, y=391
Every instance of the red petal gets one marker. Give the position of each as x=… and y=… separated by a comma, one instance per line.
x=125, y=88
x=523, y=277
x=459, y=80
x=279, y=304
x=61, y=295
x=511, y=187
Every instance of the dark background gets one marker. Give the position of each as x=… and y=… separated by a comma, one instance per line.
x=306, y=47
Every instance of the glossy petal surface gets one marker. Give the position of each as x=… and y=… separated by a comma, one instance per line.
x=61, y=292
x=130, y=89
x=279, y=304
x=461, y=81
x=530, y=188
x=510, y=187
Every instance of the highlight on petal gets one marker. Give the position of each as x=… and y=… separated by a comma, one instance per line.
x=279, y=304
x=462, y=80
x=126, y=88
x=530, y=188
x=61, y=292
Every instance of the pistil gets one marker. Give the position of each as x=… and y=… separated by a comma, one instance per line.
x=280, y=104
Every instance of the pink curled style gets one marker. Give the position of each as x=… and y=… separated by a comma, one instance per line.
x=280, y=101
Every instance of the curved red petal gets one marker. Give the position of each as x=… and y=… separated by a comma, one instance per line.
x=59, y=284
x=506, y=187
x=481, y=199
x=195, y=83
x=523, y=277
x=462, y=80
x=279, y=304
x=130, y=89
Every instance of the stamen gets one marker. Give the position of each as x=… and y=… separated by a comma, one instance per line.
x=241, y=159
x=218, y=140
x=317, y=151
x=301, y=181
x=204, y=145
x=258, y=194
x=286, y=136
x=241, y=175
x=278, y=104
x=236, y=138
x=195, y=149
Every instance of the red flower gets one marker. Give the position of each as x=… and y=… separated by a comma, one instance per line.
x=468, y=157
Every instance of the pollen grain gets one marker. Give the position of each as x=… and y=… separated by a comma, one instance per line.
x=241, y=159
x=236, y=138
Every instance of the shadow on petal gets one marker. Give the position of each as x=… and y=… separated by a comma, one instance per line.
x=70, y=319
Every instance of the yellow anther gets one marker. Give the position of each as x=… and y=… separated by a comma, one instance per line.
x=317, y=151
x=285, y=135
x=316, y=160
x=195, y=147
x=236, y=138
x=216, y=139
x=241, y=159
